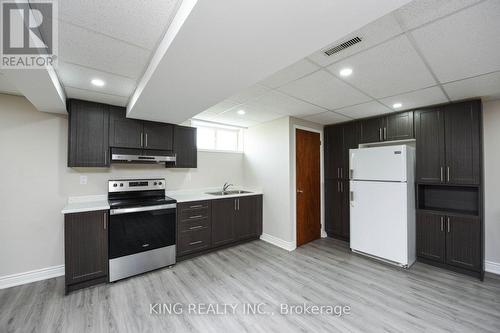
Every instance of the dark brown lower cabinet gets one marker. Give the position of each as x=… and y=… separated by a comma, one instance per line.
x=86, y=249
x=450, y=240
x=207, y=225
x=337, y=208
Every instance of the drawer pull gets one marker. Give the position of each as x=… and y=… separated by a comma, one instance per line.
x=196, y=227
x=196, y=217
x=194, y=243
x=196, y=206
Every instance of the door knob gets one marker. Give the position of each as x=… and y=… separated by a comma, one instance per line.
x=300, y=191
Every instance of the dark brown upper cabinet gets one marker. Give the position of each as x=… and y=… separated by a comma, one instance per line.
x=338, y=140
x=396, y=126
x=448, y=144
x=88, y=128
x=158, y=136
x=85, y=249
x=124, y=132
x=185, y=147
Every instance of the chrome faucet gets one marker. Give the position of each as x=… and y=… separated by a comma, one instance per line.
x=226, y=186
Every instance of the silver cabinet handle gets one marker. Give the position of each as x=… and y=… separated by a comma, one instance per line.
x=442, y=223
x=104, y=222
x=238, y=204
x=380, y=134
x=142, y=139
x=196, y=227
x=338, y=186
x=194, y=243
x=145, y=245
x=196, y=206
x=341, y=172
x=385, y=133
x=146, y=139
x=341, y=187
x=105, y=156
x=441, y=174
x=234, y=204
x=338, y=172
x=195, y=216
x=448, y=174
x=448, y=220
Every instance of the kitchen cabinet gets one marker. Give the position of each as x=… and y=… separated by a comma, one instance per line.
x=337, y=208
x=223, y=219
x=158, y=135
x=124, y=132
x=338, y=140
x=371, y=130
x=185, y=147
x=88, y=134
x=86, y=249
x=454, y=241
x=194, y=227
x=399, y=126
x=448, y=144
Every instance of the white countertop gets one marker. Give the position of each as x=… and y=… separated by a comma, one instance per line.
x=86, y=204
x=100, y=202
x=201, y=194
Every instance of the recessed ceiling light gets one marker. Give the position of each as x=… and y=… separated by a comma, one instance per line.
x=97, y=82
x=345, y=72
x=241, y=112
x=397, y=105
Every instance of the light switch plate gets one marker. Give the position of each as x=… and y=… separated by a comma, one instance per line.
x=83, y=180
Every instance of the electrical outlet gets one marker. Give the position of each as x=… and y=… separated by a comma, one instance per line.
x=83, y=180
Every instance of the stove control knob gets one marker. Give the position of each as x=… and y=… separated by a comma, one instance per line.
x=121, y=184
x=115, y=185
x=155, y=183
x=159, y=183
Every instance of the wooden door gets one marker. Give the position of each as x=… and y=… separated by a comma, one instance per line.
x=124, y=132
x=430, y=153
x=246, y=221
x=462, y=143
x=371, y=130
x=334, y=145
x=307, y=161
x=85, y=246
x=399, y=126
x=88, y=134
x=463, y=242
x=223, y=219
x=185, y=147
x=158, y=136
x=431, y=236
x=351, y=141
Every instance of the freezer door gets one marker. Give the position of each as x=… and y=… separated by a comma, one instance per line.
x=379, y=163
x=379, y=220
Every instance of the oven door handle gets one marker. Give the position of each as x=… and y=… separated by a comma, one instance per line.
x=140, y=209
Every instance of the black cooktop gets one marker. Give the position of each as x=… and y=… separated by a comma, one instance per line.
x=140, y=202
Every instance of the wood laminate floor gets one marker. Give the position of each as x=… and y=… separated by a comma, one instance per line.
x=324, y=272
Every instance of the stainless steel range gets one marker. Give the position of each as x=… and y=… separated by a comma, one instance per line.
x=141, y=227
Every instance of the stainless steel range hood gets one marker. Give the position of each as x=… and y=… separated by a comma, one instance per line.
x=126, y=155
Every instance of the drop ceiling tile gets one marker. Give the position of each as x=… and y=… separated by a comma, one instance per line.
x=417, y=13
x=486, y=86
x=249, y=93
x=140, y=22
x=290, y=73
x=327, y=118
x=79, y=77
x=415, y=99
x=373, y=33
x=80, y=46
x=279, y=103
x=6, y=87
x=95, y=96
x=464, y=44
x=364, y=110
x=220, y=107
x=252, y=113
x=389, y=69
x=323, y=89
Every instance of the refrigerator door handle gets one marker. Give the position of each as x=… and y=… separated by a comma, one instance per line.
x=351, y=173
x=351, y=196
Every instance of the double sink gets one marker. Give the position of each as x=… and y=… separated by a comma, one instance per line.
x=229, y=192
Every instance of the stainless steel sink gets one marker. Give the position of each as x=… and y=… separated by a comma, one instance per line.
x=229, y=192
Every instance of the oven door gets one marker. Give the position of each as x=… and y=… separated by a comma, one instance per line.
x=139, y=229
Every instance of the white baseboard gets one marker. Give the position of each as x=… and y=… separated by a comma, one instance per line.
x=492, y=267
x=18, y=279
x=289, y=246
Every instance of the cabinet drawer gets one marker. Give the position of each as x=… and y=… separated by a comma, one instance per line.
x=193, y=205
x=194, y=224
x=192, y=215
x=191, y=241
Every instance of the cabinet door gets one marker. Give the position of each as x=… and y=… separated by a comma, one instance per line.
x=334, y=145
x=399, y=126
x=86, y=246
x=462, y=143
x=246, y=223
x=88, y=134
x=345, y=218
x=158, y=136
x=333, y=207
x=431, y=236
x=185, y=147
x=463, y=242
x=371, y=130
x=429, y=133
x=351, y=141
x=124, y=132
x=223, y=216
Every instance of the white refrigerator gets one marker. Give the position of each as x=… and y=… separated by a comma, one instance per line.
x=382, y=203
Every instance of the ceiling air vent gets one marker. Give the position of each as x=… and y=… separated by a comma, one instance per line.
x=342, y=46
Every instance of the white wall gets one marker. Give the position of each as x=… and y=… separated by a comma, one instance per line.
x=491, y=126
x=35, y=183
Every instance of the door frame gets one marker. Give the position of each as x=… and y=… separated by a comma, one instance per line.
x=294, y=180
